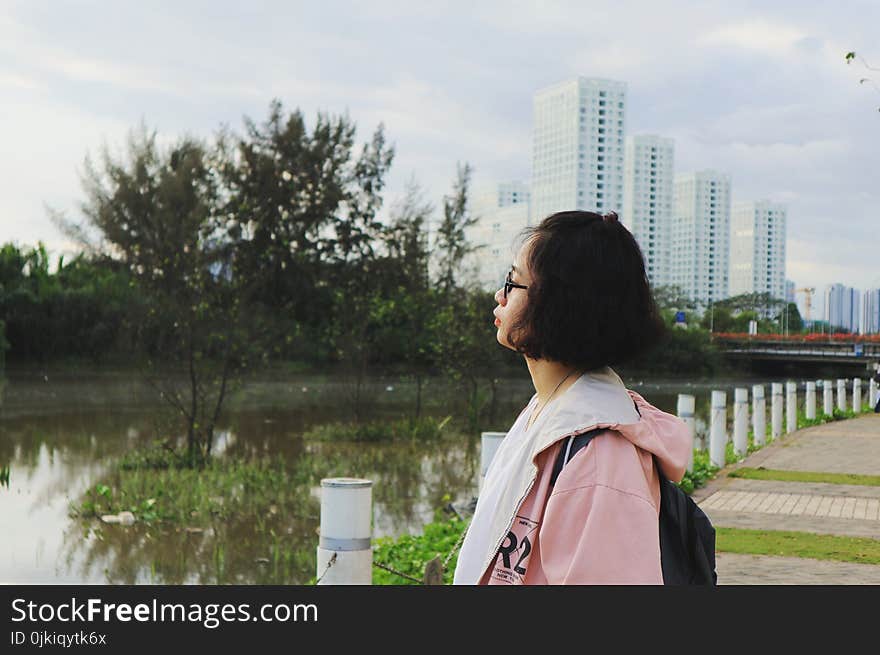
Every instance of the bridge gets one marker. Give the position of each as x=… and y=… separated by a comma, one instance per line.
x=856, y=351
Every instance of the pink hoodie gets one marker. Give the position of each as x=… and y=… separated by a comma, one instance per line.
x=599, y=523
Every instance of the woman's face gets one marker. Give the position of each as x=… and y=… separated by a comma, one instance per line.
x=508, y=309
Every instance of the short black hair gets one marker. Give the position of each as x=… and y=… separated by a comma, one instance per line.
x=589, y=300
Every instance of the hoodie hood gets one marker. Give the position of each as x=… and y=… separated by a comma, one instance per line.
x=663, y=435
x=599, y=399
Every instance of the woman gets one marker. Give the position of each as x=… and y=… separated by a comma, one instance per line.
x=576, y=301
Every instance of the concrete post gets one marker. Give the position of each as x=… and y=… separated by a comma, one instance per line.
x=827, y=398
x=810, y=408
x=790, y=407
x=489, y=442
x=741, y=422
x=857, y=395
x=759, y=414
x=841, y=395
x=685, y=410
x=872, y=393
x=345, y=555
x=718, y=431
x=776, y=410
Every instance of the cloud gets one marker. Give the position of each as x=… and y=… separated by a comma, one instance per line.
x=756, y=35
x=21, y=82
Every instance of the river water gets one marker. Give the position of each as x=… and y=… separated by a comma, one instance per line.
x=60, y=433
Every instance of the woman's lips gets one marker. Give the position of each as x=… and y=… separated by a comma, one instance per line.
x=497, y=321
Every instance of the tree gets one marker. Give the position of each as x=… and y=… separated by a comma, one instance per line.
x=671, y=299
x=299, y=202
x=157, y=212
x=406, y=242
x=789, y=319
x=301, y=209
x=451, y=246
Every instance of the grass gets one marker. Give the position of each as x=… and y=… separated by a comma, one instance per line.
x=703, y=471
x=410, y=554
x=406, y=429
x=195, y=497
x=781, y=543
x=761, y=473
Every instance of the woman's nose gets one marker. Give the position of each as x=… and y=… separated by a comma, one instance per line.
x=499, y=297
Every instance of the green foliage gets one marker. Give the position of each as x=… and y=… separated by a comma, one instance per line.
x=185, y=496
x=157, y=455
x=730, y=456
x=466, y=350
x=761, y=473
x=681, y=351
x=452, y=246
x=783, y=543
x=703, y=471
x=838, y=414
x=4, y=344
x=80, y=310
x=410, y=553
x=406, y=429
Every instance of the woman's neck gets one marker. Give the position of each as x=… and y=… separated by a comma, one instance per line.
x=547, y=374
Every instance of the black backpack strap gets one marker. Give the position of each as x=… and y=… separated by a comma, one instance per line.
x=573, y=444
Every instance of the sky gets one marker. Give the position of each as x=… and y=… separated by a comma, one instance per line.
x=758, y=90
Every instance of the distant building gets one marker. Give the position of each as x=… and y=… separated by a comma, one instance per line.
x=757, y=250
x=870, y=315
x=790, y=295
x=648, y=194
x=578, y=148
x=502, y=211
x=700, y=251
x=842, y=308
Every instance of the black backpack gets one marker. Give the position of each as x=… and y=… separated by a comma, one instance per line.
x=687, y=538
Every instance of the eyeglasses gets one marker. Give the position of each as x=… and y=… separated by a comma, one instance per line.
x=510, y=284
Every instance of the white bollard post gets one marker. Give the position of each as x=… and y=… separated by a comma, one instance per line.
x=790, y=407
x=718, y=431
x=759, y=414
x=776, y=410
x=872, y=393
x=827, y=398
x=741, y=422
x=810, y=408
x=489, y=442
x=345, y=554
x=857, y=395
x=685, y=410
x=841, y=395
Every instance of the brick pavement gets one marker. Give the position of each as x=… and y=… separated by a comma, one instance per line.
x=851, y=446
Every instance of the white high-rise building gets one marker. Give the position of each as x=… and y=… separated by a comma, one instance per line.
x=502, y=212
x=700, y=251
x=870, y=319
x=842, y=307
x=577, y=161
x=757, y=249
x=649, y=177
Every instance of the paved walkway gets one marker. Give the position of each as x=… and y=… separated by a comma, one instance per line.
x=851, y=446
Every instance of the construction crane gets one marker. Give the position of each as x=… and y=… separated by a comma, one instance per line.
x=808, y=299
